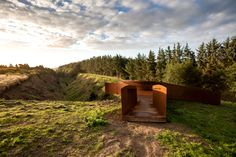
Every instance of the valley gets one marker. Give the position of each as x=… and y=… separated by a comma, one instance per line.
x=84, y=121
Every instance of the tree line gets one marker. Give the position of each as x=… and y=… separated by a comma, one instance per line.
x=212, y=66
x=23, y=69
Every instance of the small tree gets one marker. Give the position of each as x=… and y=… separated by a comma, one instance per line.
x=130, y=69
x=140, y=67
x=182, y=74
x=231, y=78
x=173, y=73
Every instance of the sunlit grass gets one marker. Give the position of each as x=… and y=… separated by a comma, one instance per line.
x=87, y=87
x=216, y=125
x=50, y=126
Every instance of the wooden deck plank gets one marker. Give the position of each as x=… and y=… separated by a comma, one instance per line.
x=144, y=111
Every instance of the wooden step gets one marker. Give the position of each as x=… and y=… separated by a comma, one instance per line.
x=144, y=119
x=144, y=111
x=143, y=114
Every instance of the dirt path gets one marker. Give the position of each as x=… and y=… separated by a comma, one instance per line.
x=134, y=139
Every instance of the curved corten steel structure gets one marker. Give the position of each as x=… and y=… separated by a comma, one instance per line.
x=146, y=101
x=129, y=98
x=160, y=98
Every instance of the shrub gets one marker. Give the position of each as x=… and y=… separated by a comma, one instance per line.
x=182, y=74
x=231, y=78
x=95, y=118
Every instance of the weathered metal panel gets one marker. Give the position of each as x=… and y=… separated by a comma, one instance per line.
x=128, y=98
x=160, y=99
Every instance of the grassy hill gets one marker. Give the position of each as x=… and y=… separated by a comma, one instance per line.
x=46, y=84
x=91, y=125
x=87, y=87
x=42, y=84
x=10, y=80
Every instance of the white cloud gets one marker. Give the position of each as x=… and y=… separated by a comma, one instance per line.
x=113, y=24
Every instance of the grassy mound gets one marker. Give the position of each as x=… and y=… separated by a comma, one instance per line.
x=41, y=85
x=87, y=87
x=10, y=80
x=48, y=85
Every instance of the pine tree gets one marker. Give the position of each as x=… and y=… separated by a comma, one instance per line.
x=174, y=56
x=179, y=53
x=201, y=56
x=140, y=67
x=229, y=51
x=231, y=79
x=119, y=63
x=213, y=72
x=151, y=66
x=161, y=64
x=188, y=55
x=169, y=56
x=213, y=55
x=233, y=47
x=130, y=69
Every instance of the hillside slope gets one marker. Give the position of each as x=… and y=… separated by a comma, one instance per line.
x=87, y=87
x=47, y=84
x=10, y=80
x=43, y=85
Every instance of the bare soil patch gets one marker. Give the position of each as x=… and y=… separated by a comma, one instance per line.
x=134, y=139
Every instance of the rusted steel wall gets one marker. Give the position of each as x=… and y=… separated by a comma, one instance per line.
x=141, y=85
x=192, y=94
x=120, y=86
x=180, y=92
x=112, y=88
x=128, y=98
x=160, y=98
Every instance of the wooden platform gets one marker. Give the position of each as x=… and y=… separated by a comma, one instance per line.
x=144, y=110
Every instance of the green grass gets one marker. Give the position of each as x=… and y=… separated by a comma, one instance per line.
x=95, y=118
x=87, y=87
x=58, y=128
x=216, y=125
x=181, y=145
x=46, y=128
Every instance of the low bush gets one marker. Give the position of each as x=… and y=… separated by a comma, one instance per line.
x=95, y=118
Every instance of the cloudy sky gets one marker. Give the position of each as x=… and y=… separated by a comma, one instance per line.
x=55, y=32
